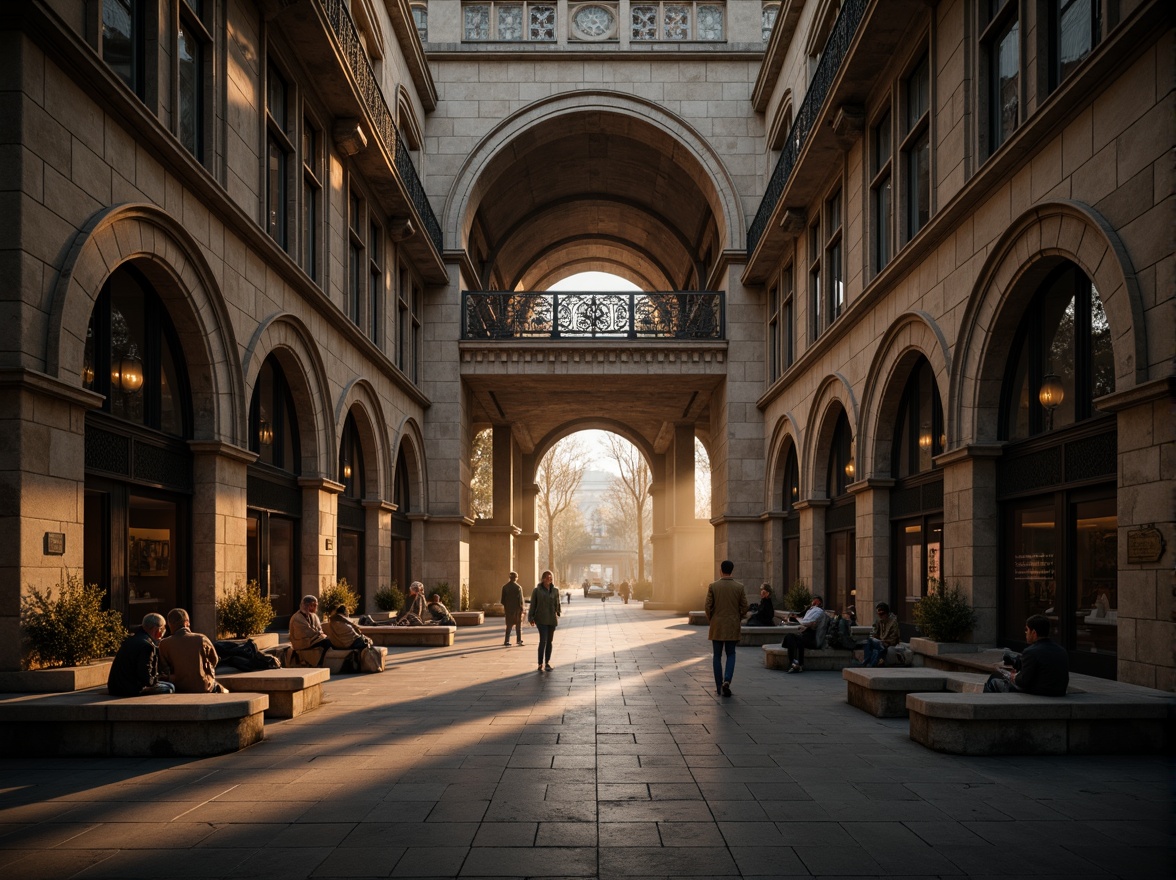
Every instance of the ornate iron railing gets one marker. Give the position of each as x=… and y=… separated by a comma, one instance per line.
x=339, y=16
x=565, y=315
x=832, y=56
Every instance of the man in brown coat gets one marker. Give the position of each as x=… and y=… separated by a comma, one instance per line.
x=726, y=603
x=190, y=656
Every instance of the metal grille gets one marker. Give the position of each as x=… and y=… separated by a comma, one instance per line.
x=268, y=495
x=831, y=58
x=352, y=516
x=339, y=18
x=163, y=466
x=1030, y=472
x=904, y=502
x=688, y=315
x=841, y=518
x=1092, y=457
x=108, y=452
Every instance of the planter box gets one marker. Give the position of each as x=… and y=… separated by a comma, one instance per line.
x=56, y=681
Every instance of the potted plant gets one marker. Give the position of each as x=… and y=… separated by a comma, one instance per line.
x=390, y=598
x=798, y=598
x=944, y=617
x=242, y=611
x=65, y=631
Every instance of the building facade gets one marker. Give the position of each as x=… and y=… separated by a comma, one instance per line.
x=906, y=269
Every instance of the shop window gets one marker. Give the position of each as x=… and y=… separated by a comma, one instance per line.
x=919, y=435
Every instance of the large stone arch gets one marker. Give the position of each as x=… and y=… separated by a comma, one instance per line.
x=834, y=395
x=785, y=436
x=1033, y=245
x=911, y=336
x=612, y=426
x=472, y=179
x=171, y=260
x=291, y=343
x=360, y=399
x=410, y=440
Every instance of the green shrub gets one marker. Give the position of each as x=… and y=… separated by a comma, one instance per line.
x=242, y=611
x=944, y=615
x=798, y=598
x=390, y=598
x=67, y=626
x=442, y=590
x=642, y=590
x=335, y=595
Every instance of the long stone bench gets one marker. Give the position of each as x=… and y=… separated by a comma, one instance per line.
x=92, y=723
x=1023, y=724
x=755, y=636
x=883, y=692
x=823, y=660
x=422, y=636
x=697, y=618
x=333, y=662
x=469, y=618
x=291, y=691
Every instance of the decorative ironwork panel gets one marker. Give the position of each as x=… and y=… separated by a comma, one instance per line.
x=108, y=452
x=352, y=516
x=933, y=495
x=163, y=466
x=270, y=495
x=832, y=56
x=792, y=526
x=542, y=23
x=690, y=315
x=906, y=502
x=1092, y=457
x=343, y=27
x=842, y=517
x=1028, y=473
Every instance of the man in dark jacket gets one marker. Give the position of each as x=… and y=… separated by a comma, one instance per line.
x=512, y=608
x=1042, y=669
x=135, y=670
x=764, y=613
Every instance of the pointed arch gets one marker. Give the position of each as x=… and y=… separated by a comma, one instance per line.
x=1033, y=245
x=170, y=258
x=834, y=395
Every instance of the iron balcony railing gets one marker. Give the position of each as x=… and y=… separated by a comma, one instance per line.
x=339, y=17
x=647, y=316
x=852, y=12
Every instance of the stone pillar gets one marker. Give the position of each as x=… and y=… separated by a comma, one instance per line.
x=1146, y=511
x=219, y=526
x=42, y=490
x=377, y=549
x=490, y=560
x=526, y=555
x=872, y=545
x=320, y=515
x=773, y=541
x=971, y=532
x=441, y=553
x=812, y=543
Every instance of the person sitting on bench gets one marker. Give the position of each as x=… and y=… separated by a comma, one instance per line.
x=135, y=670
x=190, y=657
x=438, y=614
x=808, y=637
x=1043, y=668
x=306, y=632
x=763, y=614
x=415, y=612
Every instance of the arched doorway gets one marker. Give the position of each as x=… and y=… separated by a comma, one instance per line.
x=402, y=497
x=138, y=487
x=840, y=519
x=352, y=519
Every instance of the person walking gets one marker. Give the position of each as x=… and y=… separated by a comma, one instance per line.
x=726, y=603
x=512, y=608
x=544, y=614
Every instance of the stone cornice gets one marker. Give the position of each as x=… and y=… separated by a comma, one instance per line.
x=323, y=484
x=1139, y=395
x=456, y=519
x=379, y=504
x=223, y=450
x=970, y=451
x=870, y=483
x=31, y=380
x=549, y=351
x=814, y=503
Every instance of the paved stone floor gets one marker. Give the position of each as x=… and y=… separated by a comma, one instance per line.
x=621, y=762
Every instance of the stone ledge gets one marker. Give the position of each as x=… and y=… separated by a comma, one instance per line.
x=291, y=691
x=823, y=660
x=469, y=618
x=64, y=679
x=882, y=692
x=92, y=723
x=423, y=636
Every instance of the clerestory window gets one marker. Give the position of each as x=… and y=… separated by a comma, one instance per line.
x=679, y=21
x=508, y=22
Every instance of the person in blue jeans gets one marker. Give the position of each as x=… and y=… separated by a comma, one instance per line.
x=884, y=635
x=544, y=614
x=726, y=603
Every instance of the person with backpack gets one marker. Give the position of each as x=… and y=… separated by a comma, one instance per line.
x=795, y=644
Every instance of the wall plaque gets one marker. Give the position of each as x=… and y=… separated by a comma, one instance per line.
x=55, y=543
x=1144, y=545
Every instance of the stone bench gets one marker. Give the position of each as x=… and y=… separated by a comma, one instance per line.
x=421, y=636
x=291, y=691
x=1023, y=724
x=755, y=636
x=494, y=609
x=333, y=662
x=883, y=692
x=469, y=618
x=92, y=723
x=823, y=660
x=697, y=618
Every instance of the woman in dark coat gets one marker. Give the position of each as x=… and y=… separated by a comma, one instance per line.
x=544, y=614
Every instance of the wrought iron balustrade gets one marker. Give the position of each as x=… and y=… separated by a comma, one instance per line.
x=572, y=315
x=339, y=16
x=836, y=48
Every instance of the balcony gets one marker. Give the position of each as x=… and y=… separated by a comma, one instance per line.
x=325, y=38
x=579, y=316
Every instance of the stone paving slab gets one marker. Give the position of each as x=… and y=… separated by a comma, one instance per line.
x=464, y=762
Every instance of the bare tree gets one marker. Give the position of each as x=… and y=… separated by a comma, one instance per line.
x=558, y=478
x=702, y=481
x=633, y=485
x=482, y=474
x=568, y=537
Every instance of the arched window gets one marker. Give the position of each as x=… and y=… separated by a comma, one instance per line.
x=791, y=549
x=132, y=357
x=840, y=551
x=1062, y=360
x=351, y=461
x=420, y=17
x=842, y=467
x=791, y=480
x=352, y=517
x=919, y=435
x=272, y=432
x=768, y=14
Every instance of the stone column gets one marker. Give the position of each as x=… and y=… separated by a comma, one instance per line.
x=971, y=532
x=377, y=549
x=441, y=550
x=812, y=543
x=526, y=555
x=872, y=544
x=42, y=490
x=219, y=526
x=320, y=515
x=773, y=541
x=1147, y=532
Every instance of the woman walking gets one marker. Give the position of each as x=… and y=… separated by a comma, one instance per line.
x=544, y=614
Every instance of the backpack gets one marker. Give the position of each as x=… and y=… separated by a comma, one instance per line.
x=371, y=660
x=821, y=630
x=839, y=635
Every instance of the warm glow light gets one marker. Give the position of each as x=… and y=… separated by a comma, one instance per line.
x=925, y=438
x=1052, y=393
x=347, y=470
x=850, y=469
x=265, y=434
x=129, y=374
x=88, y=375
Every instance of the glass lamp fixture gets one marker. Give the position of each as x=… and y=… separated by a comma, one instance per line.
x=346, y=471
x=265, y=434
x=1052, y=393
x=128, y=373
x=87, y=374
x=925, y=437
x=850, y=467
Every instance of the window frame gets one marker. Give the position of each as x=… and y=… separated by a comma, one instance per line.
x=996, y=17
x=492, y=31
x=660, y=22
x=356, y=256
x=833, y=215
x=278, y=138
x=882, y=180
x=377, y=248
x=1054, y=14
x=312, y=198
x=195, y=19
x=816, y=303
x=916, y=141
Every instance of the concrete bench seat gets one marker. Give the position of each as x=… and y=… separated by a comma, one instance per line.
x=882, y=692
x=93, y=723
x=422, y=636
x=1023, y=724
x=755, y=636
x=824, y=660
x=291, y=691
x=469, y=618
x=697, y=618
x=333, y=662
